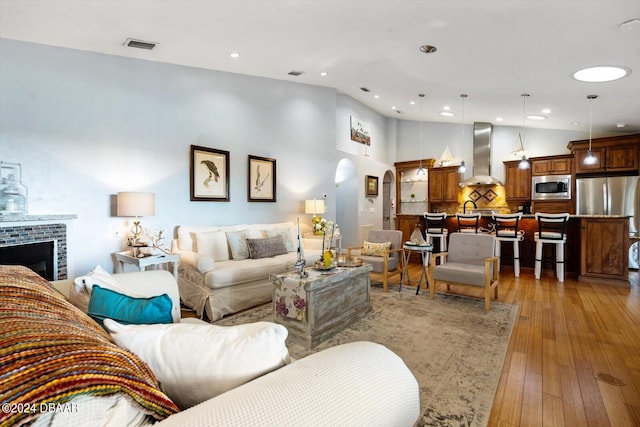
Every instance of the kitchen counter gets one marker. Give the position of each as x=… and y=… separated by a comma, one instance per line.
x=597, y=247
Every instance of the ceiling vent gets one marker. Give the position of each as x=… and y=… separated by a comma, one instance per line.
x=295, y=73
x=364, y=89
x=139, y=44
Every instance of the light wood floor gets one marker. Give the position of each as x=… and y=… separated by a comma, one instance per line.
x=565, y=335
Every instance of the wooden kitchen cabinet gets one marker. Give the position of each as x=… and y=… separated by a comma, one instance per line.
x=604, y=244
x=444, y=183
x=614, y=154
x=517, y=185
x=551, y=165
x=411, y=189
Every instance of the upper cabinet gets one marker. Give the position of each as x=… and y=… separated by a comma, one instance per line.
x=517, y=184
x=551, y=165
x=411, y=188
x=444, y=183
x=613, y=154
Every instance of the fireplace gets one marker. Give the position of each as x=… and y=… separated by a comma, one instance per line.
x=41, y=247
x=41, y=257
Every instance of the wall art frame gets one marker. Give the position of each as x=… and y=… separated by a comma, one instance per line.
x=209, y=175
x=261, y=179
x=371, y=185
x=360, y=131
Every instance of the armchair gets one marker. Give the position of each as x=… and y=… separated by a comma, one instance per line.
x=470, y=261
x=387, y=262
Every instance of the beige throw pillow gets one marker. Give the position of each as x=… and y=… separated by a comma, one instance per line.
x=375, y=249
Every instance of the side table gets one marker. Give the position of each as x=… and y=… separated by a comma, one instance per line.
x=127, y=257
x=424, y=251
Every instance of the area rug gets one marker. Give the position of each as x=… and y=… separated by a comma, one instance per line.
x=453, y=347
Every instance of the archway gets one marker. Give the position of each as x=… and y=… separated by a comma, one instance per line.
x=387, y=204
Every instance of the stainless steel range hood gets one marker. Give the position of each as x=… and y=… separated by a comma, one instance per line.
x=482, y=135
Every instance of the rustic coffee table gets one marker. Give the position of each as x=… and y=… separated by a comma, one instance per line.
x=318, y=306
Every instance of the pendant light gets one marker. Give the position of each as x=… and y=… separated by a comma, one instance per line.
x=462, y=168
x=590, y=159
x=421, y=170
x=524, y=163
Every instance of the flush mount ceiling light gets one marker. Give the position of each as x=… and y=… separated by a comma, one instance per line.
x=427, y=48
x=140, y=44
x=599, y=74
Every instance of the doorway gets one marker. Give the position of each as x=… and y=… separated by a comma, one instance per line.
x=387, y=203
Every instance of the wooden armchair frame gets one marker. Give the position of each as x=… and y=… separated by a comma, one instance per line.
x=491, y=275
x=385, y=264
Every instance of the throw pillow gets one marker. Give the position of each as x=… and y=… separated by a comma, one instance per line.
x=286, y=238
x=238, y=244
x=267, y=247
x=195, y=362
x=375, y=249
x=80, y=293
x=213, y=244
x=108, y=304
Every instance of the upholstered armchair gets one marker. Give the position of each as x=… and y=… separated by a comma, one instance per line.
x=470, y=261
x=383, y=250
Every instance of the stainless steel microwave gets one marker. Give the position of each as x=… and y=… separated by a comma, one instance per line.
x=551, y=187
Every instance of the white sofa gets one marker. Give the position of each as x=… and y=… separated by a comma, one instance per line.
x=355, y=384
x=213, y=281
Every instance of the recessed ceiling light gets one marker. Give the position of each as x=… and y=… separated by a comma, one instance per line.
x=376, y=96
x=601, y=74
x=546, y=111
x=536, y=117
x=324, y=73
x=412, y=102
x=575, y=123
x=621, y=125
x=426, y=48
x=499, y=119
x=446, y=113
x=234, y=55
x=446, y=108
x=393, y=108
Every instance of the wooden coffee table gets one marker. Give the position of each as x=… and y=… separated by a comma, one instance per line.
x=317, y=307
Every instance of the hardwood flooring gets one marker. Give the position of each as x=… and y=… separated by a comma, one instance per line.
x=574, y=354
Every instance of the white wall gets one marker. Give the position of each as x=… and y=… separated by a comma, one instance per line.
x=85, y=126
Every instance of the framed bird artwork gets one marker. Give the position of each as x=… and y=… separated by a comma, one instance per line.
x=261, y=179
x=209, y=178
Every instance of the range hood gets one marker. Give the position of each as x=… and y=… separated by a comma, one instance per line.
x=482, y=134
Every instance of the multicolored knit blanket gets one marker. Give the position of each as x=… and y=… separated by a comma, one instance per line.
x=51, y=352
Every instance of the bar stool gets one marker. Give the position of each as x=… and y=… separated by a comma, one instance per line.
x=468, y=223
x=507, y=231
x=552, y=228
x=435, y=229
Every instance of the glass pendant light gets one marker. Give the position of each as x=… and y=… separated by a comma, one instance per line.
x=421, y=170
x=462, y=168
x=524, y=163
x=590, y=159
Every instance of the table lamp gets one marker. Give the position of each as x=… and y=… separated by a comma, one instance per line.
x=135, y=204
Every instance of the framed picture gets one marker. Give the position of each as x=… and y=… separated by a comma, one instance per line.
x=209, y=174
x=371, y=185
x=261, y=179
x=360, y=131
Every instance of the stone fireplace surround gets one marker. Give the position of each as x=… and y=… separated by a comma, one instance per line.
x=18, y=231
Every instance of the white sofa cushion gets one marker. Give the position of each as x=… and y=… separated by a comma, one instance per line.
x=154, y=283
x=213, y=244
x=195, y=362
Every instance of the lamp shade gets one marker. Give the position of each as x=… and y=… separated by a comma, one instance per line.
x=136, y=204
x=314, y=207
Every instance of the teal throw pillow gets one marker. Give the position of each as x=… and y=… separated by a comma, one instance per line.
x=108, y=304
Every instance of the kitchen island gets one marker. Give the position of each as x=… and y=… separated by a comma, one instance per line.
x=597, y=247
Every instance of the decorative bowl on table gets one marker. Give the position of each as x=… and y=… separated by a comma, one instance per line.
x=349, y=261
x=320, y=266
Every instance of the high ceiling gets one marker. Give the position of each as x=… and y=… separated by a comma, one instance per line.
x=491, y=50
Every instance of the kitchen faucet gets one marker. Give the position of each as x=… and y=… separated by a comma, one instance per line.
x=464, y=207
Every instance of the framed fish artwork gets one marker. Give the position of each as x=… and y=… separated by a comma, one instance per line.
x=209, y=178
x=261, y=179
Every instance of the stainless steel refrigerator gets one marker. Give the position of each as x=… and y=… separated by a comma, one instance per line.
x=611, y=196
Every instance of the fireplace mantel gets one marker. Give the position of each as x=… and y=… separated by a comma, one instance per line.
x=36, y=217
